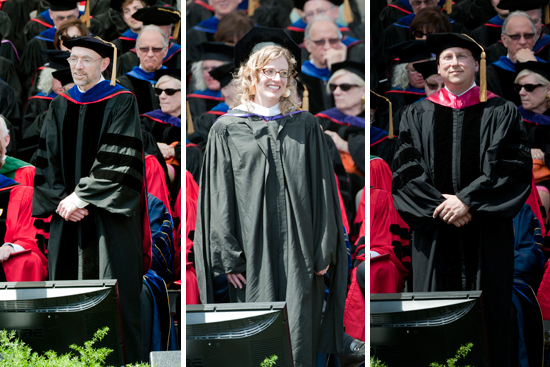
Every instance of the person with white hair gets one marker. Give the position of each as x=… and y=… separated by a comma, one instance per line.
x=151, y=47
x=13, y=168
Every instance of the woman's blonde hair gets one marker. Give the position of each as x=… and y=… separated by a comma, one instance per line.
x=167, y=78
x=542, y=80
x=248, y=77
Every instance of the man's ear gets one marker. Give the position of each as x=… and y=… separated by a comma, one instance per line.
x=476, y=69
x=105, y=63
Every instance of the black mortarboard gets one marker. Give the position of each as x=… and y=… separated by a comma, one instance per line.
x=65, y=76
x=377, y=100
x=103, y=48
x=223, y=73
x=439, y=42
x=159, y=15
x=542, y=68
x=523, y=5
x=357, y=68
x=426, y=68
x=411, y=51
x=299, y=4
x=61, y=5
x=259, y=37
x=215, y=51
x=57, y=59
x=173, y=72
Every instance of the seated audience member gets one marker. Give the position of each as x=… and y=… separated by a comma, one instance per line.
x=428, y=20
x=48, y=86
x=151, y=47
x=203, y=123
x=489, y=33
x=541, y=40
x=8, y=70
x=196, y=12
x=20, y=257
x=50, y=19
x=501, y=73
x=205, y=30
x=206, y=90
x=532, y=83
x=164, y=18
x=127, y=40
x=312, y=8
x=407, y=83
x=233, y=27
x=13, y=168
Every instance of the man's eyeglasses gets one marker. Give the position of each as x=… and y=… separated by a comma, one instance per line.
x=270, y=73
x=332, y=41
x=416, y=3
x=344, y=87
x=528, y=87
x=155, y=50
x=517, y=37
x=168, y=91
x=65, y=37
x=84, y=61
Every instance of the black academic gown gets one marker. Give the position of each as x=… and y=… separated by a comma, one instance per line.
x=8, y=104
x=501, y=82
x=276, y=220
x=34, y=107
x=92, y=146
x=31, y=60
x=144, y=91
x=8, y=74
x=197, y=11
x=319, y=98
x=480, y=153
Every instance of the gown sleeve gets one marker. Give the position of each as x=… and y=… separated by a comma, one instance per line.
x=505, y=182
x=413, y=191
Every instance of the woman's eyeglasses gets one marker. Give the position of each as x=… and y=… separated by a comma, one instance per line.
x=344, y=87
x=270, y=73
x=64, y=37
x=168, y=91
x=528, y=87
x=419, y=34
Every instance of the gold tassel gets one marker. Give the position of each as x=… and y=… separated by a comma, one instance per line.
x=190, y=128
x=347, y=13
x=449, y=6
x=390, y=122
x=547, y=14
x=305, y=99
x=86, y=17
x=113, y=74
x=482, y=72
x=176, y=30
x=252, y=6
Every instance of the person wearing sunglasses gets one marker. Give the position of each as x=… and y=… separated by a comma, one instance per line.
x=164, y=124
x=89, y=176
x=518, y=36
x=324, y=41
x=450, y=186
x=535, y=9
x=532, y=83
x=151, y=47
x=266, y=173
x=429, y=20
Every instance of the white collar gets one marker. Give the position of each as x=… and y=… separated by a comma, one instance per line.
x=473, y=85
x=260, y=110
x=100, y=80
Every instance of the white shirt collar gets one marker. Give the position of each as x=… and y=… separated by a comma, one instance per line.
x=100, y=80
x=261, y=110
x=473, y=85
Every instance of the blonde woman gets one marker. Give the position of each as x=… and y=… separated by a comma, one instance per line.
x=268, y=216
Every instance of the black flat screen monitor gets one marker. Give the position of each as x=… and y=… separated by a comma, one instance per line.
x=55, y=314
x=237, y=334
x=416, y=329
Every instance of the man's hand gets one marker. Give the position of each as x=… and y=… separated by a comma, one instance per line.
x=462, y=221
x=322, y=272
x=451, y=209
x=69, y=211
x=524, y=55
x=5, y=252
x=335, y=55
x=167, y=151
x=236, y=280
x=537, y=154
